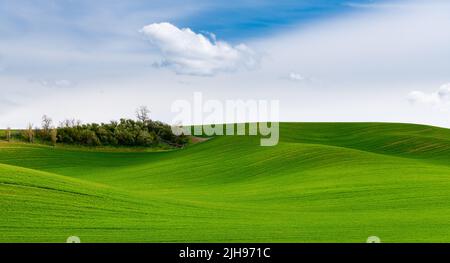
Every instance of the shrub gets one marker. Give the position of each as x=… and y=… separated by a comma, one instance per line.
x=125, y=132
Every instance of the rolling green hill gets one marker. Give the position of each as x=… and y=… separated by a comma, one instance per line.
x=324, y=182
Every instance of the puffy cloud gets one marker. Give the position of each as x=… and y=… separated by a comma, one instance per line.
x=422, y=97
x=187, y=52
x=439, y=98
x=444, y=92
x=296, y=77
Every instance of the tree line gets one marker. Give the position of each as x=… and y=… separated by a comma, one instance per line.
x=126, y=132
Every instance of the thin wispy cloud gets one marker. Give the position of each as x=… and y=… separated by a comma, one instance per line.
x=373, y=5
x=353, y=63
x=54, y=83
x=6, y=104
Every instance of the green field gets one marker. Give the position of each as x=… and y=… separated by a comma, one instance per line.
x=324, y=182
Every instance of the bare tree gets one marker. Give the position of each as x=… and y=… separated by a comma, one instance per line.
x=70, y=123
x=143, y=113
x=54, y=136
x=46, y=122
x=46, y=126
x=65, y=124
x=29, y=133
x=8, y=134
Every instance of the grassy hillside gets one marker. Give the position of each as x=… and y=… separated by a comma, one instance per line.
x=324, y=182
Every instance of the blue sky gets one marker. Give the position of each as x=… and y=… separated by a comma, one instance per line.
x=111, y=27
x=233, y=19
x=336, y=60
x=244, y=19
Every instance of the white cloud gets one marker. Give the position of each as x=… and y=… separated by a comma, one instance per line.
x=383, y=5
x=2, y=66
x=360, y=67
x=54, y=83
x=190, y=53
x=439, y=99
x=296, y=77
x=422, y=97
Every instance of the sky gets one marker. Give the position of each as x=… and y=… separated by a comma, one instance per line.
x=354, y=60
